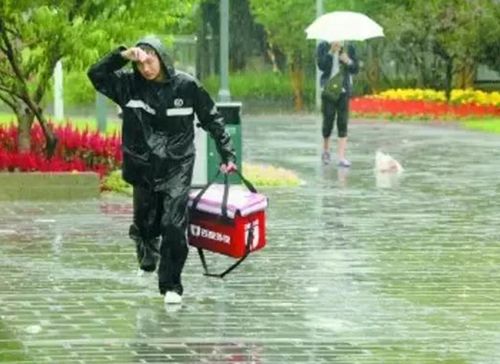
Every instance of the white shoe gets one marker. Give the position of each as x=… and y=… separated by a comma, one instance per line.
x=143, y=273
x=344, y=163
x=172, y=298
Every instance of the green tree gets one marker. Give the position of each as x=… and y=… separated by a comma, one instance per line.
x=489, y=38
x=285, y=22
x=36, y=34
x=450, y=30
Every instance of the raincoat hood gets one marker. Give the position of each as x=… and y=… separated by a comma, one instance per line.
x=155, y=43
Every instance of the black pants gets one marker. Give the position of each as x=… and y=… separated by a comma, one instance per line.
x=331, y=108
x=164, y=213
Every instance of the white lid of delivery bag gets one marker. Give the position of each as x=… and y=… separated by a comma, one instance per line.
x=239, y=199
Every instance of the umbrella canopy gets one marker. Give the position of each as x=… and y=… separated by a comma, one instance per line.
x=343, y=25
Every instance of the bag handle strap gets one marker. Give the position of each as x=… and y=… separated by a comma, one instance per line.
x=225, y=197
x=246, y=182
x=248, y=249
x=196, y=200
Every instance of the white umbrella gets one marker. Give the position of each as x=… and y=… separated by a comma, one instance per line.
x=343, y=25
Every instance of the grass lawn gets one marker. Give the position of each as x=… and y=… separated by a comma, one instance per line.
x=81, y=123
x=489, y=125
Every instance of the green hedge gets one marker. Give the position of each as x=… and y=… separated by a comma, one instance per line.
x=259, y=85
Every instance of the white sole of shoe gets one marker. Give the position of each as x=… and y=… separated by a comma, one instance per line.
x=172, y=298
x=143, y=273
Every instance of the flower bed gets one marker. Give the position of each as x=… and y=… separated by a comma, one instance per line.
x=457, y=97
x=428, y=104
x=84, y=150
x=77, y=150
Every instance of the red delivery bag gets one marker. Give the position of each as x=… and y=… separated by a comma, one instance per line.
x=228, y=220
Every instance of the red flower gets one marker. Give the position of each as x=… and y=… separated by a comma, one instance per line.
x=76, y=151
x=372, y=106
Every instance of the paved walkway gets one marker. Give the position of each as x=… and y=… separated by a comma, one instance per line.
x=357, y=269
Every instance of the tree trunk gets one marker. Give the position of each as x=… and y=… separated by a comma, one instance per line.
x=373, y=69
x=449, y=79
x=247, y=38
x=23, y=93
x=205, y=39
x=24, y=121
x=297, y=74
x=50, y=138
x=465, y=76
x=210, y=24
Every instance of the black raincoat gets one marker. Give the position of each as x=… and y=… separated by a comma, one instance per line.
x=158, y=152
x=158, y=127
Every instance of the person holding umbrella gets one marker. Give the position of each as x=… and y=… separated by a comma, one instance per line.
x=337, y=67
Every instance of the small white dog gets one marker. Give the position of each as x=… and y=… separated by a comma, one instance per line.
x=384, y=163
x=387, y=170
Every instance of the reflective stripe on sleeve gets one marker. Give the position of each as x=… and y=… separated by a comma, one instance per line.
x=139, y=104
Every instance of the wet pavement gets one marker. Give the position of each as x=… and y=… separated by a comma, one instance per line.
x=359, y=267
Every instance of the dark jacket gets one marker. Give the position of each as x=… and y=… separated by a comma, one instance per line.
x=325, y=63
x=158, y=127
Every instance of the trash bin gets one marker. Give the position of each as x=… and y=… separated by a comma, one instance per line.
x=207, y=158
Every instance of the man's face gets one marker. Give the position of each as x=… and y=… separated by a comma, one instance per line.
x=150, y=68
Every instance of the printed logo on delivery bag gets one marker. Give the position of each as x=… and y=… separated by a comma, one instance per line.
x=198, y=231
x=255, y=232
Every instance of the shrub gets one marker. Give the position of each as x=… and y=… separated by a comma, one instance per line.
x=114, y=182
x=260, y=85
x=270, y=176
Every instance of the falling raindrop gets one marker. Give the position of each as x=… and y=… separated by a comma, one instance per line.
x=45, y=221
x=33, y=329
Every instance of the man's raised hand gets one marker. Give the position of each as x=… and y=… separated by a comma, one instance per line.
x=134, y=54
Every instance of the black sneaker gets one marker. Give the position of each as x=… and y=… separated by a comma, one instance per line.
x=149, y=259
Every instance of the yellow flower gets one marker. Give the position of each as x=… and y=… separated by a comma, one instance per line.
x=458, y=96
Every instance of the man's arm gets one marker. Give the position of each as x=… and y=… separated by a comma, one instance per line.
x=105, y=77
x=213, y=123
